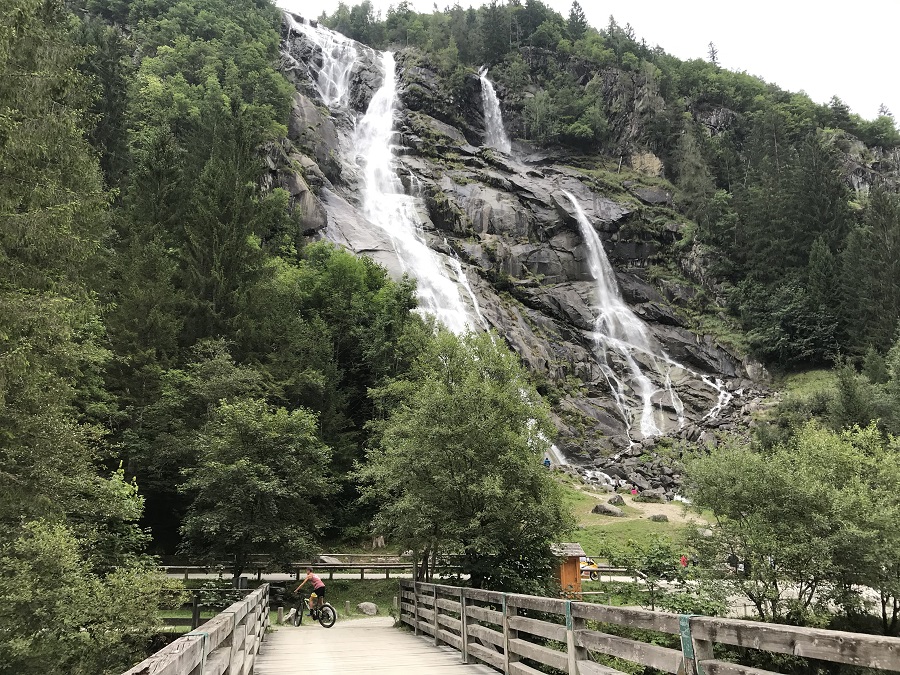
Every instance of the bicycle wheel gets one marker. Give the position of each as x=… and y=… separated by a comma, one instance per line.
x=595, y=576
x=327, y=616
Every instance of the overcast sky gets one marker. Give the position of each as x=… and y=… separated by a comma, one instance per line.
x=825, y=49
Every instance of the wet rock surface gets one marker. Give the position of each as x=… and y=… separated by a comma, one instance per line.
x=516, y=235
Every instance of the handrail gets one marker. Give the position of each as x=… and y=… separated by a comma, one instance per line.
x=227, y=643
x=496, y=629
x=296, y=570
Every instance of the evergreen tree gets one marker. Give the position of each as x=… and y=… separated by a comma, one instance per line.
x=494, y=33
x=577, y=24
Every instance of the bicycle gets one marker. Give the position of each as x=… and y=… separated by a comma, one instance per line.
x=325, y=613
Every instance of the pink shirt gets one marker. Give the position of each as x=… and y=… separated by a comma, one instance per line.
x=316, y=581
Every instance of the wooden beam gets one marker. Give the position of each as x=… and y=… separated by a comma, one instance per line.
x=545, y=655
x=869, y=651
x=645, y=654
x=593, y=668
x=489, y=656
x=484, y=614
x=551, y=631
x=486, y=634
x=625, y=616
x=715, y=667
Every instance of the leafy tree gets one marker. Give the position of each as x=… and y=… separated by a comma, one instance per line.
x=456, y=468
x=806, y=517
x=57, y=615
x=260, y=475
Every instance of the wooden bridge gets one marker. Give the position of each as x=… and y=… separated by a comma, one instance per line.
x=465, y=630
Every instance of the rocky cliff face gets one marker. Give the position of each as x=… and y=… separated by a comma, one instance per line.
x=515, y=237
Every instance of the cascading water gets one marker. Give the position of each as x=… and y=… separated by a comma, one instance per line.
x=388, y=207
x=369, y=154
x=494, y=133
x=641, y=377
x=339, y=54
x=621, y=337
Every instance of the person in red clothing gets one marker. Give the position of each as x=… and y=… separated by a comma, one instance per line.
x=318, y=586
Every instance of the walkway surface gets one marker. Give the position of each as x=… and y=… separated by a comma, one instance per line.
x=357, y=646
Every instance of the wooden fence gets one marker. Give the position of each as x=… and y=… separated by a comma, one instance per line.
x=227, y=643
x=496, y=629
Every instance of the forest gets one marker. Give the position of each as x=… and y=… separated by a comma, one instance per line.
x=183, y=372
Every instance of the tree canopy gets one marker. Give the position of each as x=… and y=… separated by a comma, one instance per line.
x=456, y=465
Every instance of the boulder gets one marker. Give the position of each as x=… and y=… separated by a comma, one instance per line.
x=368, y=608
x=657, y=495
x=659, y=518
x=312, y=216
x=653, y=196
x=616, y=500
x=608, y=510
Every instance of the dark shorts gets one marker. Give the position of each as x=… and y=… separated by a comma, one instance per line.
x=320, y=591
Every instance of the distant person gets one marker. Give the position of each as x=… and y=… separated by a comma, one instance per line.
x=318, y=586
x=547, y=462
x=633, y=491
x=684, y=561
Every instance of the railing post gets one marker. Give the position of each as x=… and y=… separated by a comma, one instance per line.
x=508, y=634
x=694, y=651
x=195, y=612
x=435, y=608
x=415, y=607
x=574, y=652
x=464, y=625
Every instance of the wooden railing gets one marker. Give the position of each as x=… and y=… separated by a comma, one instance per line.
x=297, y=570
x=227, y=643
x=496, y=629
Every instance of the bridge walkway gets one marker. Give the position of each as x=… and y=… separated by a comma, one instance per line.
x=370, y=645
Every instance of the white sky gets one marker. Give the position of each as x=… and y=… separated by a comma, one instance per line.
x=822, y=48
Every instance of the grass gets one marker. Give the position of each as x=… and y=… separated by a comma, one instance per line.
x=354, y=591
x=594, y=531
x=807, y=383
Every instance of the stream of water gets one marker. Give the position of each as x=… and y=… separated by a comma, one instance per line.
x=441, y=281
x=494, y=132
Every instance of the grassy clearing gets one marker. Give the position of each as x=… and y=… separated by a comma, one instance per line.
x=807, y=383
x=595, y=532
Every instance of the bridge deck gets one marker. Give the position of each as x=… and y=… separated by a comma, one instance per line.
x=371, y=646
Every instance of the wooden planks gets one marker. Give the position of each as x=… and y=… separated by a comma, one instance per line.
x=371, y=646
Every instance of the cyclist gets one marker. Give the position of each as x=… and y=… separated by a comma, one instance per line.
x=318, y=586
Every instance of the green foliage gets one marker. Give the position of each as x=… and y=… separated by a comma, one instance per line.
x=59, y=616
x=806, y=518
x=456, y=468
x=262, y=473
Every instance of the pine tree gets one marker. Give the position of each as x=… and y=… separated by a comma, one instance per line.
x=577, y=24
x=713, y=54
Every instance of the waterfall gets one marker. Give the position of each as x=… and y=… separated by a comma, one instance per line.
x=387, y=206
x=368, y=152
x=463, y=281
x=623, y=343
x=494, y=133
x=339, y=54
